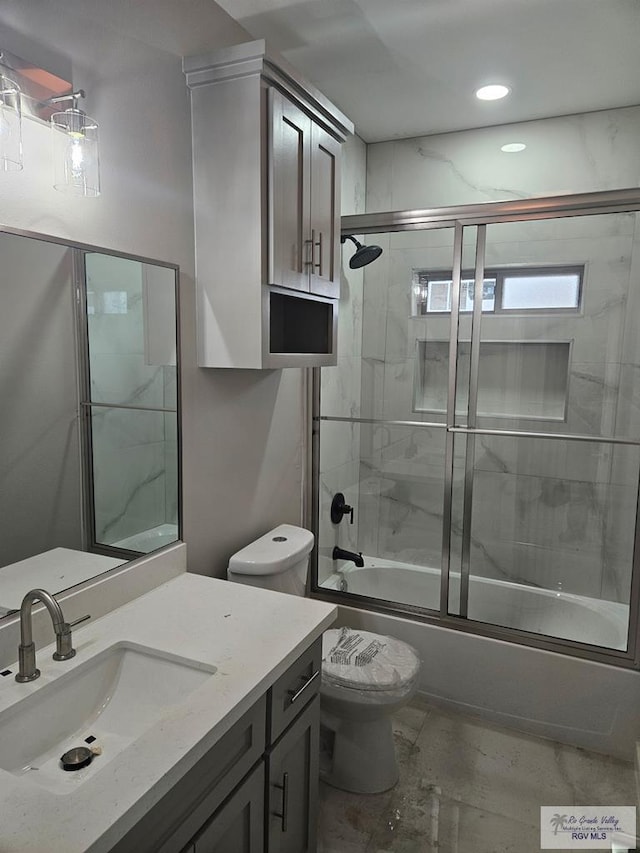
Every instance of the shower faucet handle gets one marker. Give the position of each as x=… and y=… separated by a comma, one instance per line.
x=340, y=508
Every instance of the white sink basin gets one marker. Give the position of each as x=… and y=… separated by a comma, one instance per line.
x=113, y=698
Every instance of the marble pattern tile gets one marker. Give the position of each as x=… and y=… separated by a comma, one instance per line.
x=581, y=153
x=353, y=176
x=343, y=478
x=135, y=470
x=131, y=496
x=467, y=786
x=339, y=444
x=125, y=378
x=341, y=388
x=372, y=387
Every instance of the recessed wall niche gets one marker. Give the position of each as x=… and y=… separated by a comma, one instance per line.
x=516, y=379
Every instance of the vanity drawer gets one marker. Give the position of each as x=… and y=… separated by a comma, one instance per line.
x=293, y=690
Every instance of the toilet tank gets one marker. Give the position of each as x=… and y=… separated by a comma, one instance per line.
x=279, y=560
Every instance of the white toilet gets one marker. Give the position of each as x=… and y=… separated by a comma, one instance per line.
x=365, y=677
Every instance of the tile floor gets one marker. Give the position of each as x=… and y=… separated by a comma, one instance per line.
x=467, y=786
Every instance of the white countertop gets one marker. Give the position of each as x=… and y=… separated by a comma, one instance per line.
x=251, y=635
x=53, y=570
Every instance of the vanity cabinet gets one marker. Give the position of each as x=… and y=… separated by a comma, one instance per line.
x=256, y=789
x=266, y=170
x=293, y=772
x=238, y=827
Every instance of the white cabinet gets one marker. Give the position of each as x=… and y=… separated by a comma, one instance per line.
x=266, y=160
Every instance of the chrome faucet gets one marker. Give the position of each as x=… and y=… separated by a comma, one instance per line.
x=27, y=670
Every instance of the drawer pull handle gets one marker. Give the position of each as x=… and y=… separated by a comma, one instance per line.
x=285, y=801
x=308, y=682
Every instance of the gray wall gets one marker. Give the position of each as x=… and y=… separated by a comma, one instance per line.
x=40, y=498
x=243, y=457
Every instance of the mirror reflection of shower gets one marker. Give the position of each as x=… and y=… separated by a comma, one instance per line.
x=363, y=255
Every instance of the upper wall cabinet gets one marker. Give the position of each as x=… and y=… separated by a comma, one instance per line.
x=266, y=152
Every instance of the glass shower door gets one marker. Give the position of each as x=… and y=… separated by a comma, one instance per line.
x=381, y=435
x=544, y=452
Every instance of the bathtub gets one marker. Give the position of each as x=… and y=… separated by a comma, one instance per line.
x=150, y=540
x=511, y=605
x=570, y=699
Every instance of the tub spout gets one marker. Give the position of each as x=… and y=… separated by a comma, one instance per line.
x=341, y=554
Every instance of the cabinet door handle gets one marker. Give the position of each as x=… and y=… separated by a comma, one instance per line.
x=311, y=249
x=283, y=815
x=318, y=266
x=297, y=693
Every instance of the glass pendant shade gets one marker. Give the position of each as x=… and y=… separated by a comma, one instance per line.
x=76, y=160
x=10, y=125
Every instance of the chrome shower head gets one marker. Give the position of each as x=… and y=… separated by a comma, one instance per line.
x=363, y=255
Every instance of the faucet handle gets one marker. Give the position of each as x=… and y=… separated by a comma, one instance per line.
x=64, y=648
x=340, y=508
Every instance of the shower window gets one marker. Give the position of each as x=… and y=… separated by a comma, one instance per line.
x=523, y=289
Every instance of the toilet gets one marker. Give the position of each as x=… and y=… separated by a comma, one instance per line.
x=366, y=677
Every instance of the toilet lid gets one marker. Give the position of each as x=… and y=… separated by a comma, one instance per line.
x=365, y=661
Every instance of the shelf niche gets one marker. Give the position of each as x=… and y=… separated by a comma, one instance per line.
x=516, y=379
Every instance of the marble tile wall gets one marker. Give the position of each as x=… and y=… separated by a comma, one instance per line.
x=549, y=513
x=579, y=153
x=134, y=452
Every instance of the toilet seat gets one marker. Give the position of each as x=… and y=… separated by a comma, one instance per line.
x=367, y=662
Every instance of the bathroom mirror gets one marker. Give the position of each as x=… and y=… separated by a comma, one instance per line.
x=89, y=394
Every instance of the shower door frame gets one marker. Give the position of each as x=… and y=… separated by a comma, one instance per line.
x=458, y=217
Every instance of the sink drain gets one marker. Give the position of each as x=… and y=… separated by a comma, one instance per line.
x=77, y=758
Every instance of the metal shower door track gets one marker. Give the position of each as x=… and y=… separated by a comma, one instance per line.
x=485, y=213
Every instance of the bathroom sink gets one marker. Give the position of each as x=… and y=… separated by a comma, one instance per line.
x=106, y=702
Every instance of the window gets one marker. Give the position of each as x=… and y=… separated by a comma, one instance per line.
x=515, y=289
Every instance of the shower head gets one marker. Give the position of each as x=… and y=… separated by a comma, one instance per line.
x=363, y=255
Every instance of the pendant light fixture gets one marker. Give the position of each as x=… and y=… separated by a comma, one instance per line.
x=10, y=121
x=76, y=160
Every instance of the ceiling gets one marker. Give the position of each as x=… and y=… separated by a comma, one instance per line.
x=403, y=68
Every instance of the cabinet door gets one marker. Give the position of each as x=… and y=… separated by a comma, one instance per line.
x=325, y=213
x=175, y=820
x=238, y=826
x=293, y=785
x=289, y=193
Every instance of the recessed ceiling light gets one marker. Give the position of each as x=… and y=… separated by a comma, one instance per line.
x=513, y=147
x=493, y=92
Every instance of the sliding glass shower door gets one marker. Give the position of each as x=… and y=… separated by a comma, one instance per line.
x=545, y=456
x=379, y=446
x=483, y=423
